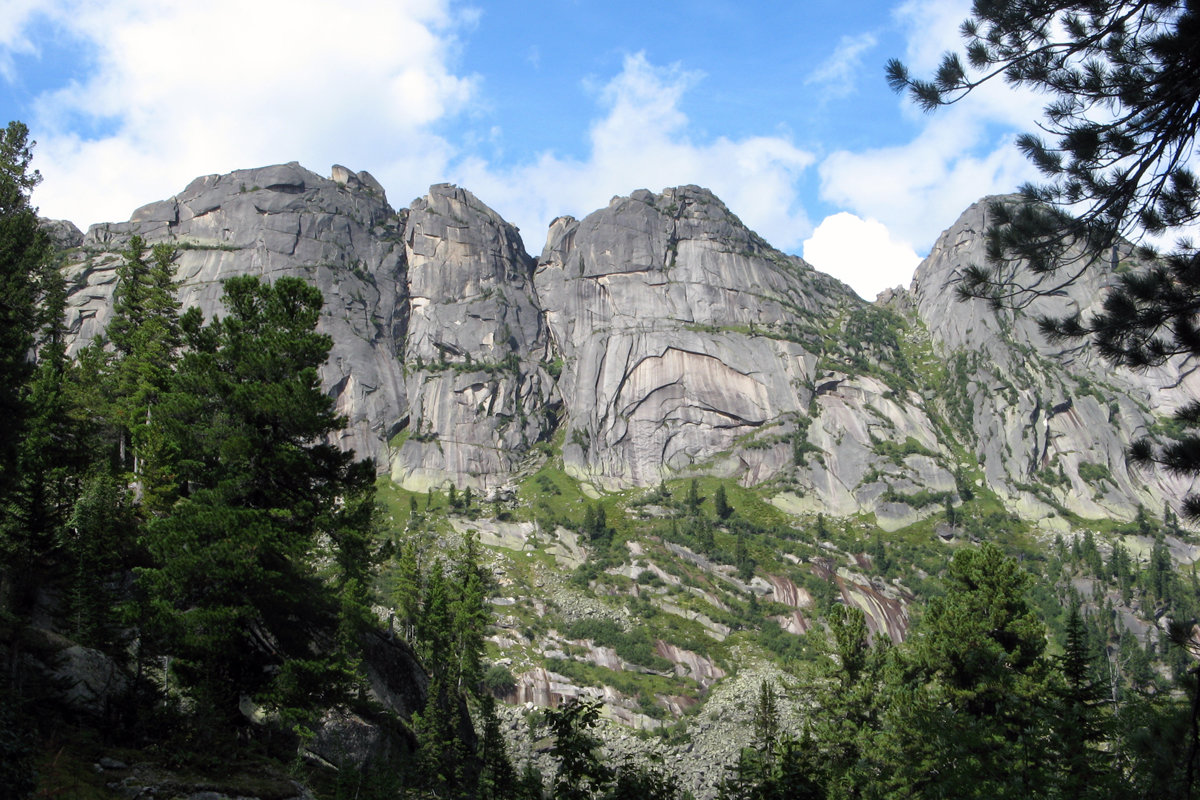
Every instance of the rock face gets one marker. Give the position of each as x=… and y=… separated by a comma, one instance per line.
x=281, y=220
x=673, y=319
x=476, y=348
x=659, y=337
x=1042, y=413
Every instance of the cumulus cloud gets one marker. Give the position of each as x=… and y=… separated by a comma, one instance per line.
x=642, y=140
x=14, y=21
x=918, y=189
x=179, y=90
x=932, y=28
x=861, y=253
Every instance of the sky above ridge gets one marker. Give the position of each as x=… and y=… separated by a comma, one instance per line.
x=539, y=107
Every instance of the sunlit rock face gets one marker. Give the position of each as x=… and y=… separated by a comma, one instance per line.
x=1042, y=411
x=672, y=320
x=477, y=349
x=658, y=338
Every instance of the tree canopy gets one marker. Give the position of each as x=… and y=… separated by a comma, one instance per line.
x=265, y=500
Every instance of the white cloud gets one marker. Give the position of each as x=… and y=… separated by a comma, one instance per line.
x=643, y=141
x=860, y=252
x=837, y=72
x=181, y=90
x=15, y=18
x=919, y=188
x=959, y=153
x=933, y=29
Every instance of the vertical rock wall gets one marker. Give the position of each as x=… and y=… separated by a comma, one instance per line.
x=283, y=220
x=673, y=320
x=1045, y=413
x=477, y=350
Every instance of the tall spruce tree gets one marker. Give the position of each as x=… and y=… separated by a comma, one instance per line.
x=145, y=335
x=1079, y=728
x=23, y=252
x=965, y=716
x=246, y=584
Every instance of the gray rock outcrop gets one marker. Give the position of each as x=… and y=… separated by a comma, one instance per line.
x=680, y=335
x=268, y=222
x=667, y=339
x=476, y=350
x=1043, y=413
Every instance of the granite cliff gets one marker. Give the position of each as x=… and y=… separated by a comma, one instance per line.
x=662, y=338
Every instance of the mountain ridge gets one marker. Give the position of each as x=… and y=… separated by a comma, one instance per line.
x=683, y=448
x=665, y=339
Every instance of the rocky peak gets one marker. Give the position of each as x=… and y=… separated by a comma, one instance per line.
x=1042, y=409
x=272, y=221
x=666, y=337
x=476, y=347
x=673, y=319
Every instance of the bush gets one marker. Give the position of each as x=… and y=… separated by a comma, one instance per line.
x=499, y=680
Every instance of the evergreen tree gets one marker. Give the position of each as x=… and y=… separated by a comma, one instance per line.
x=50, y=459
x=1079, y=728
x=595, y=523
x=100, y=540
x=23, y=253
x=145, y=335
x=693, y=499
x=237, y=583
x=766, y=722
x=842, y=749
x=580, y=775
x=470, y=618
x=405, y=588
x=964, y=715
x=742, y=559
x=497, y=778
x=721, y=503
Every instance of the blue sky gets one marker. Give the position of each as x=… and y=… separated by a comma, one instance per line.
x=539, y=108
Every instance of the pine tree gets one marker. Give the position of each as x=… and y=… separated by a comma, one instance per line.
x=497, y=778
x=840, y=748
x=1079, y=730
x=693, y=499
x=766, y=723
x=145, y=335
x=580, y=774
x=23, y=252
x=721, y=503
x=405, y=588
x=50, y=459
x=965, y=711
x=469, y=611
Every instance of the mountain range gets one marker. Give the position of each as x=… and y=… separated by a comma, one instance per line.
x=663, y=339
x=657, y=357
